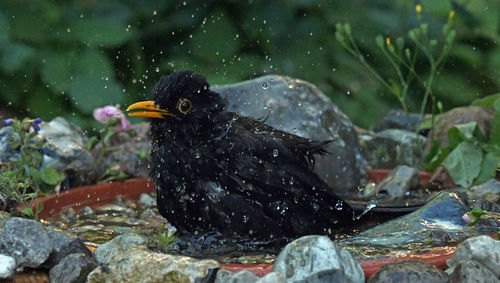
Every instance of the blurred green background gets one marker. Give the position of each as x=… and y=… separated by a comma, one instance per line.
x=69, y=57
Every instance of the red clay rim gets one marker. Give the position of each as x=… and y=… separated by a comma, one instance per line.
x=101, y=194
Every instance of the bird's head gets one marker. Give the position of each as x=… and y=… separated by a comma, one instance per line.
x=181, y=96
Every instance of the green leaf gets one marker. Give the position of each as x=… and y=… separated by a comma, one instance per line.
x=91, y=91
x=464, y=163
x=215, y=40
x=14, y=56
x=27, y=211
x=57, y=69
x=101, y=32
x=4, y=29
x=496, y=105
x=488, y=167
x=495, y=130
x=51, y=176
x=486, y=101
x=465, y=132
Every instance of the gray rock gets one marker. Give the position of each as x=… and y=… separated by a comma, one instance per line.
x=147, y=200
x=298, y=107
x=222, y=275
x=118, y=245
x=390, y=148
x=470, y=271
x=398, y=119
x=7, y=266
x=25, y=240
x=242, y=276
x=316, y=258
x=64, y=150
x=489, y=190
x=399, y=182
x=483, y=249
x=409, y=271
x=272, y=277
x=138, y=264
x=127, y=152
x=74, y=268
x=64, y=245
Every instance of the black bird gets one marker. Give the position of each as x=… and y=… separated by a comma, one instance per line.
x=216, y=170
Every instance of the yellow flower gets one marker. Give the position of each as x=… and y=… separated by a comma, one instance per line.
x=387, y=41
x=451, y=14
x=418, y=8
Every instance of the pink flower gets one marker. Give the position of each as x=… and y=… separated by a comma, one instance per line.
x=466, y=218
x=107, y=112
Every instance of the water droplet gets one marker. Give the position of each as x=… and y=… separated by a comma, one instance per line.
x=245, y=218
x=197, y=155
x=264, y=85
x=275, y=152
x=339, y=204
x=291, y=181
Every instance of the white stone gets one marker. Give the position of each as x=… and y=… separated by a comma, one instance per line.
x=7, y=266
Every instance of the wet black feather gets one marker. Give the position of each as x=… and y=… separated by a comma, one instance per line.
x=215, y=170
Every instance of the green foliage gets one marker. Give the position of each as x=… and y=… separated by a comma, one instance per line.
x=402, y=59
x=164, y=239
x=68, y=57
x=475, y=214
x=470, y=158
x=21, y=178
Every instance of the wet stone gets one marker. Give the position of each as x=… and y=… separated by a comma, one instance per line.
x=398, y=119
x=482, y=249
x=65, y=151
x=147, y=200
x=272, y=277
x=470, y=271
x=73, y=268
x=390, y=148
x=64, y=245
x=7, y=266
x=120, y=244
x=316, y=259
x=242, y=276
x=300, y=108
x=409, y=271
x=138, y=264
x=25, y=240
x=489, y=191
x=399, y=182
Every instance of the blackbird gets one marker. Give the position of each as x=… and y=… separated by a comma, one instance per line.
x=215, y=170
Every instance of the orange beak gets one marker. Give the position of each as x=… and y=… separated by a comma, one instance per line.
x=149, y=110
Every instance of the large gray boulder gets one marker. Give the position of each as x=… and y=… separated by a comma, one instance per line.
x=299, y=107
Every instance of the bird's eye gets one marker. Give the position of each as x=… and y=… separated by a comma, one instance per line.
x=184, y=105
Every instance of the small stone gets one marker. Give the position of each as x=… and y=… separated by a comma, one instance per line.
x=64, y=245
x=27, y=241
x=118, y=245
x=399, y=182
x=398, y=119
x=147, y=200
x=242, y=276
x=7, y=266
x=390, y=148
x=315, y=258
x=73, y=268
x=483, y=249
x=272, y=277
x=138, y=264
x=470, y=271
x=409, y=271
